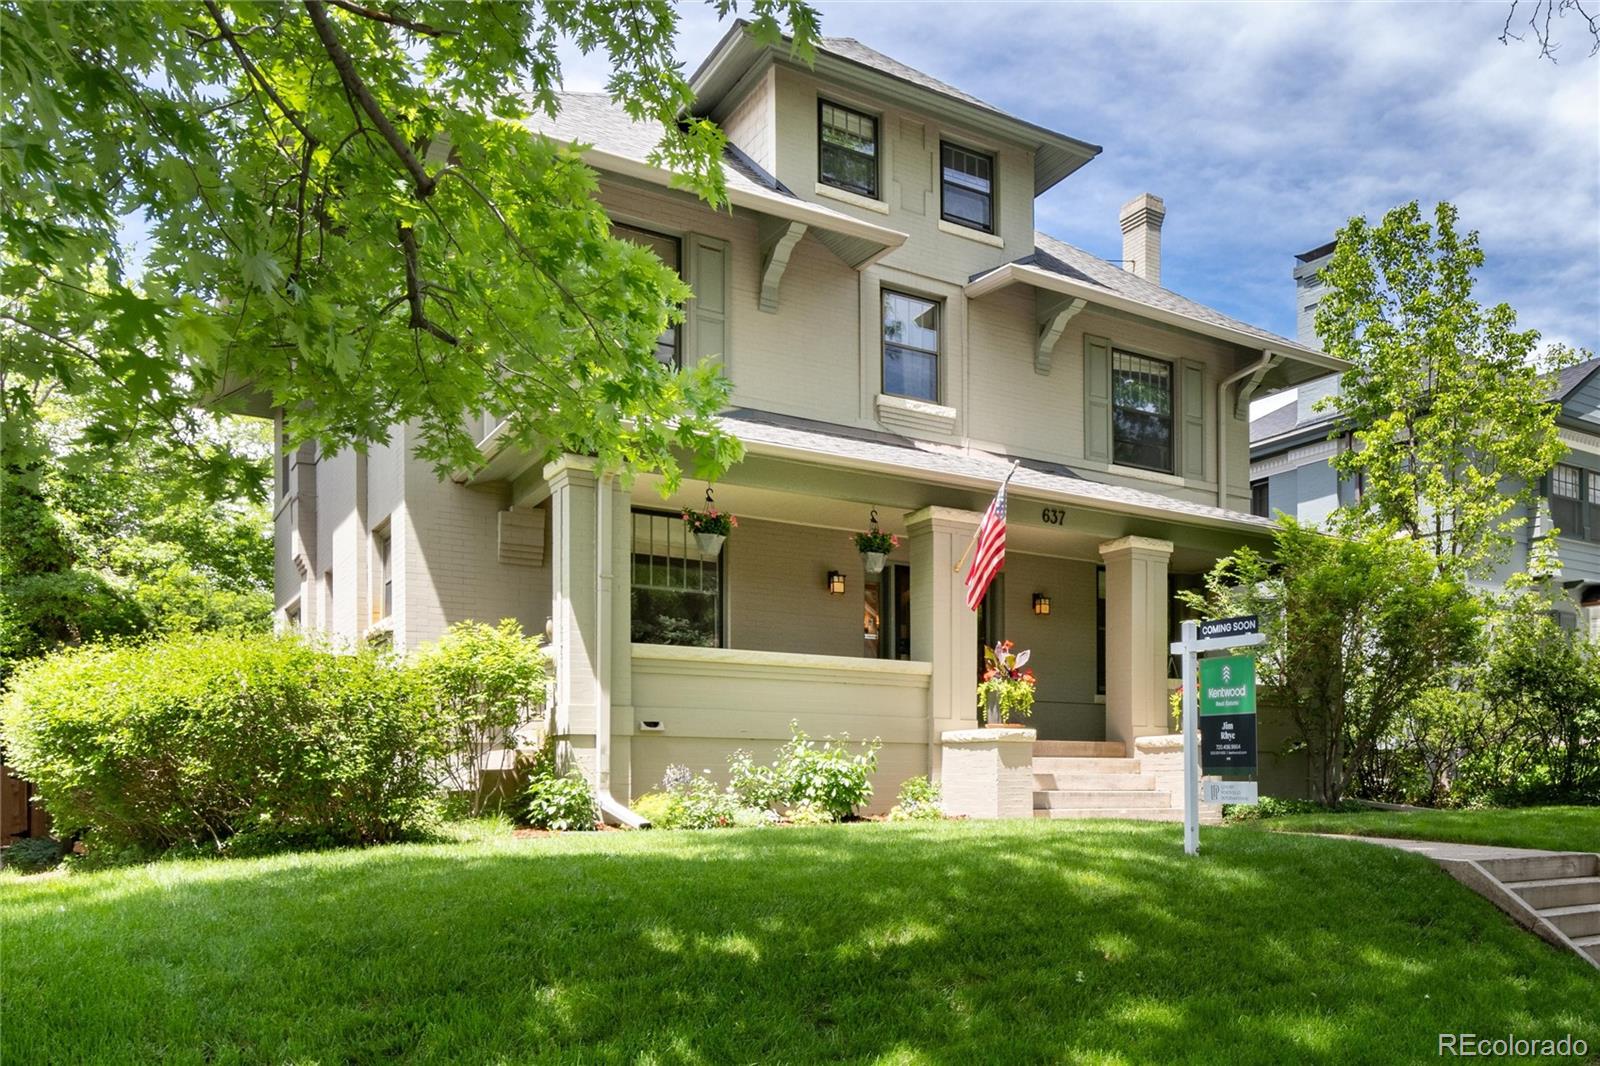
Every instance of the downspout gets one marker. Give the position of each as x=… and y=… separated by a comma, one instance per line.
x=610, y=806
x=1255, y=372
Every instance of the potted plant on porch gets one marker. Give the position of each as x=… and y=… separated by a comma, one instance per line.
x=1007, y=688
x=710, y=527
x=875, y=546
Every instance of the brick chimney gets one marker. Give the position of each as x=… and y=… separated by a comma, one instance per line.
x=1141, y=236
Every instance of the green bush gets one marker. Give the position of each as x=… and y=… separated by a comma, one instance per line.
x=657, y=808
x=480, y=683
x=1271, y=807
x=807, y=812
x=32, y=855
x=194, y=738
x=918, y=801
x=558, y=797
x=829, y=775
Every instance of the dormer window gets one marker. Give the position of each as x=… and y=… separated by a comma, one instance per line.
x=966, y=188
x=847, y=150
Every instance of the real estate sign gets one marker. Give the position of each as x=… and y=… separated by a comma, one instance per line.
x=1228, y=715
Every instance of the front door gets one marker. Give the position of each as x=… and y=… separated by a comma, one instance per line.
x=887, y=618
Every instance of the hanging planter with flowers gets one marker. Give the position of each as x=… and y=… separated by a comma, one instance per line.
x=875, y=546
x=710, y=527
x=1007, y=688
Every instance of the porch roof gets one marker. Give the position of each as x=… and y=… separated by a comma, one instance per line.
x=785, y=436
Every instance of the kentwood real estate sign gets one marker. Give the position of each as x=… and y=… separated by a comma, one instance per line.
x=1228, y=716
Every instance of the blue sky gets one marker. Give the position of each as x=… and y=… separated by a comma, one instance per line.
x=1265, y=126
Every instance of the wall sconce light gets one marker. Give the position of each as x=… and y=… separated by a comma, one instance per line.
x=835, y=582
x=1041, y=603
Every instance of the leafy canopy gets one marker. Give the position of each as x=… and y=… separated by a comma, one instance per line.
x=337, y=207
x=1449, y=399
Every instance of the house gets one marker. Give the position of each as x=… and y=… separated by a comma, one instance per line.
x=896, y=333
x=1291, y=448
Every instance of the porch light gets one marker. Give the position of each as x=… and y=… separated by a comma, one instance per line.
x=836, y=582
x=1041, y=603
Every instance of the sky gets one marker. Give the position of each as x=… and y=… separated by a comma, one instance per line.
x=1265, y=126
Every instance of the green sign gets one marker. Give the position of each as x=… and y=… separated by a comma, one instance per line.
x=1228, y=685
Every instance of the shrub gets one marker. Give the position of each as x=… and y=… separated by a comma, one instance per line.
x=757, y=785
x=657, y=808
x=558, y=798
x=194, y=738
x=32, y=855
x=807, y=812
x=481, y=684
x=828, y=775
x=918, y=801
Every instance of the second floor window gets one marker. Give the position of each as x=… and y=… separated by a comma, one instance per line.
x=847, y=149
x=910, y=346
x=1141, y=412
x=1575, y=501
x=966, y=192
x=1260, y=504
x=670, y=252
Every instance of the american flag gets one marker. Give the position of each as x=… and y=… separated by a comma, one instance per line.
x=991, y=549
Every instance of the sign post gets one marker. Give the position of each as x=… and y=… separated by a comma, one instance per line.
x=1230, y=688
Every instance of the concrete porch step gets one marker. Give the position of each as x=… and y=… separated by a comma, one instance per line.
x=1512, y=871
x=1137, y=814
x=1580, y=921
x=1590, y=946
x=1558, y=891
x=1080, y=749
x=1072, y=779
x=1100, y=799
x=1061, y=764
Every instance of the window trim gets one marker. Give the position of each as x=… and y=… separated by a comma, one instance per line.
x=1171, y=469
x=993, y=160
x=884, y=292
x=877, y=149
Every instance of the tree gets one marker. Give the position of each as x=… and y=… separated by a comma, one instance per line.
x=336, y=205
x=1454, y=427
x=1542, y=15
x=1358, y=626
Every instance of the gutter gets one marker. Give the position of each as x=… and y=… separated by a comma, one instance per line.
x=609, y=804
x=1255, y=372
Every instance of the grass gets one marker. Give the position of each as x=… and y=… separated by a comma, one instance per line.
x=893, y=943
x=1547, y=828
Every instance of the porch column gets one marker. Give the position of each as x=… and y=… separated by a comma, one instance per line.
x=591, y=534
x=1136, y=637
x=943, y=631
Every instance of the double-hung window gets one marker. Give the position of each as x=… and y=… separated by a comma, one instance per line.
x=1575, y=501
x=1141, y=412
x=677, y=588
x=670, y=251
x=910, y=346
x=847, y=149
x=966, y=187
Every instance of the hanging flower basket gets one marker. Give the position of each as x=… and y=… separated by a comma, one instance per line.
x=710, y=527
x=875, y=546
x=709, y=543
x=873, y=561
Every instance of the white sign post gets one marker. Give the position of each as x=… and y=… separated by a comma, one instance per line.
x=1197, y=637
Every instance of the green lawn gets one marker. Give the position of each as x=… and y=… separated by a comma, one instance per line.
x=951, y=943
x=1550, y=828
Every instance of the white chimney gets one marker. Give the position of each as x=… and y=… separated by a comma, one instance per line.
x=1141, y=236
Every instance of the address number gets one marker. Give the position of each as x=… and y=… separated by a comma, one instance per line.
x=1054, y=516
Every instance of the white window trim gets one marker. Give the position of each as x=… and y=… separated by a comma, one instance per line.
x=844, y=196
x=956, y=230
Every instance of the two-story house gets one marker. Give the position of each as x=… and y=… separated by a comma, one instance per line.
x=1292, y=447
x=896, y=333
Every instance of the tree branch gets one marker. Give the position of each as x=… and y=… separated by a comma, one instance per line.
x=253, y=72
x=419, y=319
x=393, y=20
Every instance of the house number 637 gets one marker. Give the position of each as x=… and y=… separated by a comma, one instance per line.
x=1054, y=516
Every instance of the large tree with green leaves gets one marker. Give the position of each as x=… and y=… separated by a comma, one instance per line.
x=337, y=204
x=1449, y=400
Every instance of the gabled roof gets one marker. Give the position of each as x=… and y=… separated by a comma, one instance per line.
x=622, y=145
x=1572, y=377
x=730, y=65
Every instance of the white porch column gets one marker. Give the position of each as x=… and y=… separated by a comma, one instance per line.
x=591, y=534
x=1136, y=638
x=943, y=631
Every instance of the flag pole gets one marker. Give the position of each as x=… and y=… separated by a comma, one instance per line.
x=956, y=569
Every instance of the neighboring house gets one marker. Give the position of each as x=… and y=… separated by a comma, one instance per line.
x=1291, y=448
x=895, y=332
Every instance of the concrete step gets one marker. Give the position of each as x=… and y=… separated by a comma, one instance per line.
x=1558, y=891
x=1589, y=945
x=1061, y=764
x=1071, y=779
x=1541, y=867
x=1100, y=799
x=1137, y=814
x=1582, y=920
x=1083, y=749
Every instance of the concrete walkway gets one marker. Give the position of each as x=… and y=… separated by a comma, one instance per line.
x=1553, y=894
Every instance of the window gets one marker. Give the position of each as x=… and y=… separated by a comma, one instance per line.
x=847, y=149
x=1575, y=501
x=670, y=251
x=966, y=187
x=1258, y=499
x=677, y=589
x=910, y=346
x=381, y=545
x=1141, y=412
x=1100, y=631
